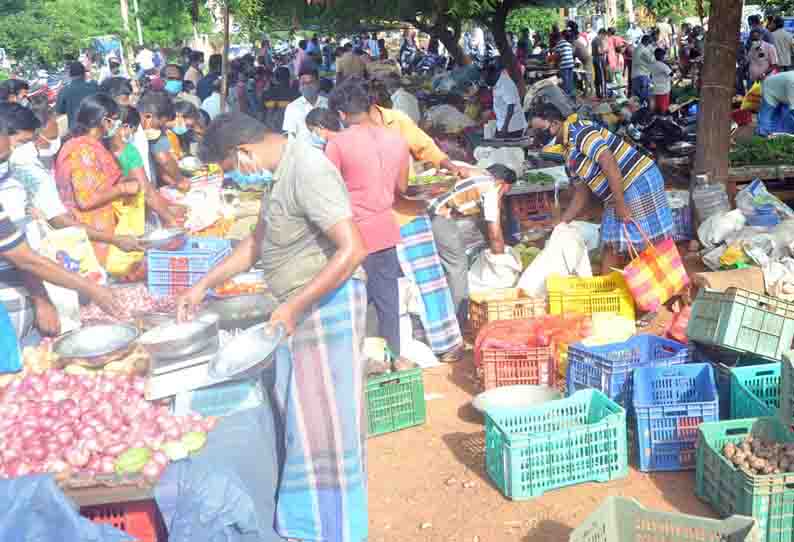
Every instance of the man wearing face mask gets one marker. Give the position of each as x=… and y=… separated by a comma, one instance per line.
x=72, y=94
x=311, y=252
x=157, y=110
x=762, y=57
x=14, y=91
x=296, y=111
x=174, y=86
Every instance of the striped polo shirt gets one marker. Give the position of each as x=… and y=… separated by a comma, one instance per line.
x=565, y=50
x=10, y=236
x=586, y=142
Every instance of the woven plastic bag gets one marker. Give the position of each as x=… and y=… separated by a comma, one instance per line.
x=656, y=274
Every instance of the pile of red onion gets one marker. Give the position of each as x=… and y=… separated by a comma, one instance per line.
x=79, y=425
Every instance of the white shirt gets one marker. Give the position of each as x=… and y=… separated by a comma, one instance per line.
x=295, y=115
x=38, y=185
x=478, y=40
x=505, y=94
x=784, y=44
x=405, y=102
x=660, y=73
x=490, y=204
x=634, y=34
x=212, y=105
x=145, y=58
x=142, y=146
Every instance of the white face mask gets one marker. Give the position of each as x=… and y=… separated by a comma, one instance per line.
x=52, y=149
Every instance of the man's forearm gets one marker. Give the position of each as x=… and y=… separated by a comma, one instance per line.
x=42, y=268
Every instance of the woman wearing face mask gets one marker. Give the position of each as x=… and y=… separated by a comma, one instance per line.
x=157, y=112
x=625, y=181
x=322, y=124
x=88, y=177
x=48, y=139
x=131, y=162
x=180, y=130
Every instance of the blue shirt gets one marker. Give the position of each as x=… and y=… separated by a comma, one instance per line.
x=205, y=85
x=565, y=50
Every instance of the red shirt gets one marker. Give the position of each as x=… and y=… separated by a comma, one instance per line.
x=371, y=159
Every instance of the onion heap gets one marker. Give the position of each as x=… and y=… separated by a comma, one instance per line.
x=80, y=425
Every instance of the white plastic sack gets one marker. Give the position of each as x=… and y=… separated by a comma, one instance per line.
x=490, y=271
x=756, y=194
x=512, y=157
x=590, y=233
x=715, y=229
x=565, y=254
x=448, y=119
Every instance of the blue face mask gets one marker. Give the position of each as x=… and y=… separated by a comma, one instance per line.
x=173, y=87
x=264, y=177
x=318, y=141
x=179, y=130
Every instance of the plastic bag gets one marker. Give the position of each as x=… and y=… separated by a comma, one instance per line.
x=718, y=227
x=490, y=271
x=565, y=254
x=448, y=119
x=756, y=195
x=71, y=248
x=130, y=220
x=10, y=356
x=752, y=100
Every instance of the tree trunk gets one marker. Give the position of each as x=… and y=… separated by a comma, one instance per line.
x=441, y=31
x=629, y=7
x=125, y=15
x=718, y=88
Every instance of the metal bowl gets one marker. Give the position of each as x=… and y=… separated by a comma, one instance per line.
x=164, y=239
x=95, y=345
x=248, y=354
x=242, y=311
x=145, y=321
x=180, y=340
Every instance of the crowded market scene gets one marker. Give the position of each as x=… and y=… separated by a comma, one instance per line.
x=288, y=270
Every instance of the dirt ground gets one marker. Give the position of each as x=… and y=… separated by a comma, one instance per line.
x=429, y=483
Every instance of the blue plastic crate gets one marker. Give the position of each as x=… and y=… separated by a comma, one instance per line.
x=609, y=368
x=669, y=404
x=170, y=272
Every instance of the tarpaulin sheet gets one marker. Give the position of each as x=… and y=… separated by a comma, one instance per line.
x=33, y=509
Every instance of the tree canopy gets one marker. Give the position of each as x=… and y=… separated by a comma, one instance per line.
x=48, y=31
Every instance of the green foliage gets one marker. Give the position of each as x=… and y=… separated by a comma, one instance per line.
x=777, y=6
x=48, y=31
x=538, y=19
x=675, y=9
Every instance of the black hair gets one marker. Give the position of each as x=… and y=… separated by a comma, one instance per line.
x=175, y=66
x=186, y=109
x=227, y=132
x=205, y=118
x=660, y=53
x=501, y=171
x=306, y=69
x=216, y=63
x=326, y=85
x=603, y=31
x=76, y=69
x=40, y=106
x=15, y=86
x=302, y=44
x=158, y=103
x=753, y=19
x=19, y=118
x=646, y=39
x=116, y=86
x=282, y=75
x=92, y=111
x=779, y=22
x=320, y=117
x=130, y=117
x=196, y=56
x=548, y=111
x=351, y=97
x=188, y=86
x=186, y=51
x=348, y=46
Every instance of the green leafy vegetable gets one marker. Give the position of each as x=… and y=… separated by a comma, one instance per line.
x=759, y=151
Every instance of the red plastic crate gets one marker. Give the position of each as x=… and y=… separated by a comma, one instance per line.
x=141, y=519
x=525, y=205
x=515, y=366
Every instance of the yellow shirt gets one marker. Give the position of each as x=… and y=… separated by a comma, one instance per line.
x=422, y=148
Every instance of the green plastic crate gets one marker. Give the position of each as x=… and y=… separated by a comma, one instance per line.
x=755, y=391
x=395, y=401
x=625, y=520
x=742, y=321
x=561, y=443
x=786, y=411
x=767, y=499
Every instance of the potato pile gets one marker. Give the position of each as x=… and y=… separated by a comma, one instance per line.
x=758, y=456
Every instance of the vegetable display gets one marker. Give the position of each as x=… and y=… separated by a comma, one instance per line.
x=760, y=151
x=94, y=428
x=534, y=177
x=756, y=456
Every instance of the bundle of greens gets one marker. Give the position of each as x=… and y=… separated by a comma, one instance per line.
x=760, y=151
x=534, y=177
